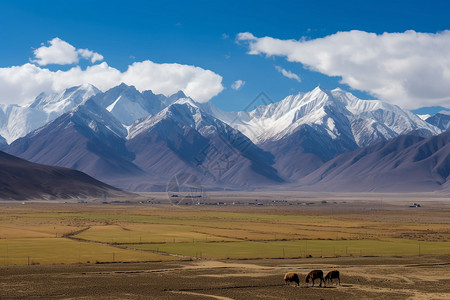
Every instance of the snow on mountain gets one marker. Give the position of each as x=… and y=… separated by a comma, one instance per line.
x=304, y=131
x=424, y=117
x=182, y=137
x=88, y=139
x=127, y=104
x=365, y=121
x=17, y=121
x=123, y=133
x=55, y=104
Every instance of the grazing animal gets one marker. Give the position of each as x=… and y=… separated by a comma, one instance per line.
x=289, y=277
x=333, y=275
x=313, y=275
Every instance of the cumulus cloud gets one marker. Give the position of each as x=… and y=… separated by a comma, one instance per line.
x=59, y=52
x=21, y=84
x=288, y=73
x=411, y=69
x=237, y=84
x=62, y=53
x=195, y=82
x=88, y=54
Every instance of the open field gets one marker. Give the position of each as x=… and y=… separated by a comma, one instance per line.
x=361, y=278
x=384, y=248
x=49, y=233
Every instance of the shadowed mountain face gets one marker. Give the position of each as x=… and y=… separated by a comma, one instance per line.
x=182, y=138
x=313, y=147
x=22, y=180
x=306, y=130
x=139, y=141
x=440, y=120
x=88, y=139
x=404, y=164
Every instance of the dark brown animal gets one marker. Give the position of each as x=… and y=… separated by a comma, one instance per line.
x=333, y=275
x=289, y=277
x=313, y=275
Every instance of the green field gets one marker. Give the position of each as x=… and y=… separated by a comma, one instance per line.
x=58, y=234
x=66, y=251
x=303, y=248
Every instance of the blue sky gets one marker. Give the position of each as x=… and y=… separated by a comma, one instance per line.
x=203, y=34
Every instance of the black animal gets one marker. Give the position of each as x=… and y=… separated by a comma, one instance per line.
x=333, y=275
x=313, y=275
x=289, y=277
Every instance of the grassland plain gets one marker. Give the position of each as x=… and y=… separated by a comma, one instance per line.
x=78, y=233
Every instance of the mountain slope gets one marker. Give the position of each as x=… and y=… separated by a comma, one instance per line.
x=440, y=120
x=88, y=138
x=182, y=137
x=337, y=111
x=17, y=121
x=21, y=180
x=303, y=131
x=405, y=164
x=128, y=105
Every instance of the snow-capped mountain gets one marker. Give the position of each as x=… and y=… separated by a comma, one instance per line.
x=55, y=104
x=88, y=139
x=305, y=130
x=182, y=137
x=139, y=141
x=440, y=120
x=17, y=121
x=338, y=112
x=128, y=104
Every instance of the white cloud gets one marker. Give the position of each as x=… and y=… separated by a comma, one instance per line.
x=195, y=82
x=59, y=52
x=21, y=84
x=88, y=54
x=62, y=53
x=237, y=84
x=288, y=73
x=410, y=69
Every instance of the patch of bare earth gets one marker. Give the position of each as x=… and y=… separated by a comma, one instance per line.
x=376, y=278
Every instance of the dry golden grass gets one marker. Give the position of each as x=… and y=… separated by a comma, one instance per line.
x=61, y=233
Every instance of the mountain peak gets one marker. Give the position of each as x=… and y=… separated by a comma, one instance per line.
x=320, y=89
x=126, y=87
x=179, y=94
x=186, y=100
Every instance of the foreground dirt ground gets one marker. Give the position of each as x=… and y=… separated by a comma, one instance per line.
x=361, y=278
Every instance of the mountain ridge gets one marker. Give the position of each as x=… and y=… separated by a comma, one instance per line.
x=133, y=139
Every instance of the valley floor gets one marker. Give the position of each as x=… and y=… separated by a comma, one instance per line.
x=228, y=245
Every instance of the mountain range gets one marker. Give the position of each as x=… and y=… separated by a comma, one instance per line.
x=138, y=140
x=408, y=163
